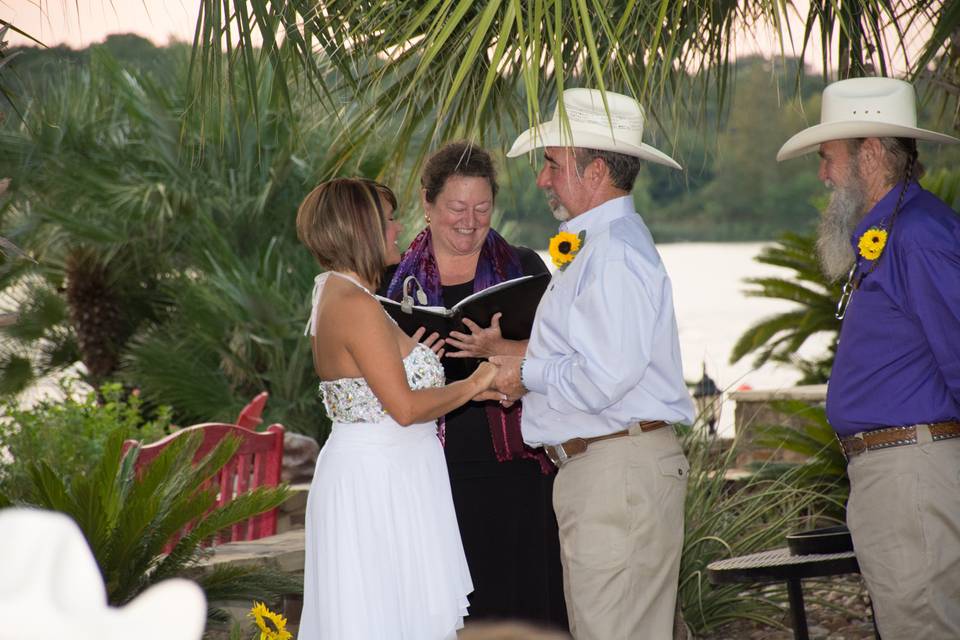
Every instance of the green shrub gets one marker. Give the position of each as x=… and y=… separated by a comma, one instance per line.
x=726, y=518
x=69, y=435
x=127, y=519
x=824, y=467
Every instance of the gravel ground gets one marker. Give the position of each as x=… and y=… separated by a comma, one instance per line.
x=836, y=610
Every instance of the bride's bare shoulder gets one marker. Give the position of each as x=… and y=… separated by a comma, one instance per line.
x=347, y=301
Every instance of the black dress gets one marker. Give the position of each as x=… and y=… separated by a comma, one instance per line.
x=504, y=509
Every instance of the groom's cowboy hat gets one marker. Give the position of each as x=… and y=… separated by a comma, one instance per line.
x=863, y=108
x=51, y=589
x=592, y=126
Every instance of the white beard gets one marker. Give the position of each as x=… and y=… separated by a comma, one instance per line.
x=559, y=211
x=846, y=207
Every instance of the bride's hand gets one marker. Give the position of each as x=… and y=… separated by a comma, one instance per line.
x=487, y=374
x=484, y=376
x=433, y=341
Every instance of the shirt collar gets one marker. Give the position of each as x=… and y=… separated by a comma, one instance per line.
x=879, y=215
x=600, y=216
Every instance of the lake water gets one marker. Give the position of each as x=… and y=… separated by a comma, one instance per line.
x=713, y=312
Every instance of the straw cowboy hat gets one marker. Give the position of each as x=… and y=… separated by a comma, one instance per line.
x=592, y=127
x=51, y=589
x=863, y=108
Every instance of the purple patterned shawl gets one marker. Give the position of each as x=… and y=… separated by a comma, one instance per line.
x=498, y=262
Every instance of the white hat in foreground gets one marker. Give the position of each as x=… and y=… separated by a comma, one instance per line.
x=592, y=127
x=51, y=589
x=863, y=108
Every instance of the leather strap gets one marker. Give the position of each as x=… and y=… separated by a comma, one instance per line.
x=560, y=453
x=887, y=437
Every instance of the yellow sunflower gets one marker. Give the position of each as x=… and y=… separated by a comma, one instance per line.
x=563, y=248
x=273, y=626
x=872, y=242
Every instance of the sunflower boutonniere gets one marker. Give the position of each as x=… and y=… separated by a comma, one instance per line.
x=872, y=242
x=564, y=248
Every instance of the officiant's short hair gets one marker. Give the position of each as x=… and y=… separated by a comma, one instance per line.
x=341, y=222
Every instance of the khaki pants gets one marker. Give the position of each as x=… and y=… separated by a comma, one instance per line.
x=904, y=515
x=619, y=506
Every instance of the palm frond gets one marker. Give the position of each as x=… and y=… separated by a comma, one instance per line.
x=127, y=520
x=434, y=71
x=779, y=337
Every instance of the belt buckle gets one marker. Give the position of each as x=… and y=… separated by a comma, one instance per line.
x=855, y=444
x=557, y=454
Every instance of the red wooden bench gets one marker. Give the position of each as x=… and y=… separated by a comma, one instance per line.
x=257, y=463
x=249, y=416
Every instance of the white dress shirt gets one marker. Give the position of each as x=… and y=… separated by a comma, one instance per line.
x=604, y=351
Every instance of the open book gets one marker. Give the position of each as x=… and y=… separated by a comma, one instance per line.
x=516, y=299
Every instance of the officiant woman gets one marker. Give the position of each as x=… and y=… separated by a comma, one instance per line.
x=501, y=488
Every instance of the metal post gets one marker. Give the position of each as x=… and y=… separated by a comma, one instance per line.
x=798, y=615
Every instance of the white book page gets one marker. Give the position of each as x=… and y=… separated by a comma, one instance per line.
x=437, y=311
x=496, y=287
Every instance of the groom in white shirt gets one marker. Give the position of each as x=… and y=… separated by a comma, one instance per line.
x=601, y=380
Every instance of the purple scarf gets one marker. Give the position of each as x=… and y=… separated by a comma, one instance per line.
x=498, y=261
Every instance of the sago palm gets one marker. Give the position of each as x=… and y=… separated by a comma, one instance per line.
x=127, y=520
x=779, y=337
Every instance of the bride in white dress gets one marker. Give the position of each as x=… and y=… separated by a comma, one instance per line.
x=383, y=552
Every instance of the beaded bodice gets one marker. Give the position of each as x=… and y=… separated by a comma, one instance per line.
x=352, y=400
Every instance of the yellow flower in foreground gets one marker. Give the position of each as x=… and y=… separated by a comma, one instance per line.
x=273, y=626
x=563, y=248
x=872, y=242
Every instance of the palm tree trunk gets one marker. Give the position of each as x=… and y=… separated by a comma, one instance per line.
x=96, y=314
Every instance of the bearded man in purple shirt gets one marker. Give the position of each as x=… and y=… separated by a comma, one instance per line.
x=894, y=392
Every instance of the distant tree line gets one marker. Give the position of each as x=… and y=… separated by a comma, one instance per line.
x=732, y=189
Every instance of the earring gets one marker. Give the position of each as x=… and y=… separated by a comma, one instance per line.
x=426, y=218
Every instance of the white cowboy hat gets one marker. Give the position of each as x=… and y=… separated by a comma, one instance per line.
x=592, y=127
x=51, y=588
x=863, y=108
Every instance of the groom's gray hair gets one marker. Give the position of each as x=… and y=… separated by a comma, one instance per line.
x=623, y=168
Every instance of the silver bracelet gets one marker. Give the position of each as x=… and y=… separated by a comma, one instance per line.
x=522, y=384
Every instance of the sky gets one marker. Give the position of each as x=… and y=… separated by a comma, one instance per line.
x=79, y=23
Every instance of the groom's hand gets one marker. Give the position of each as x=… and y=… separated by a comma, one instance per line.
x=504, y=400
x=508, y=376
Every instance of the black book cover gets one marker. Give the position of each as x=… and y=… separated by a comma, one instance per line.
x=516, y=299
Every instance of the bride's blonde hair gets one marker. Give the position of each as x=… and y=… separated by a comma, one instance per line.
x=341, y=222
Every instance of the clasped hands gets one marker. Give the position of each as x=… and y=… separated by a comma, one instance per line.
x=503, y=383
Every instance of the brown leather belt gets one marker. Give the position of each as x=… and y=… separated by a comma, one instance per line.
x=888, y=437
x=560, y=453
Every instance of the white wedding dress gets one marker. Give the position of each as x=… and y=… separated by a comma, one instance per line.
x=383, y=553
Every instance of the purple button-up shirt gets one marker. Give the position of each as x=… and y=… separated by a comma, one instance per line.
x=898, y=357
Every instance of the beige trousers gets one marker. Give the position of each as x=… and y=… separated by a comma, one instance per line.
x=619, y=506
x=904, y=515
